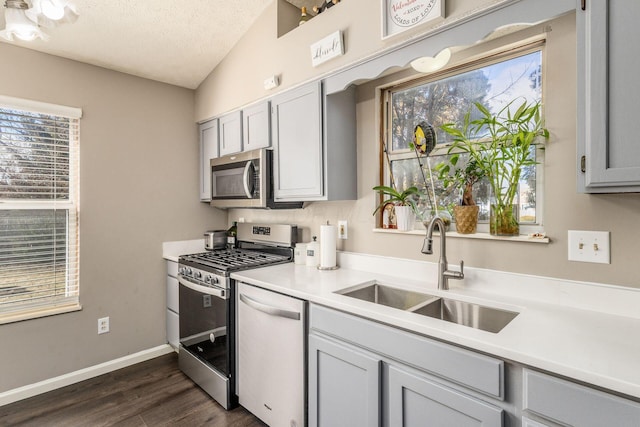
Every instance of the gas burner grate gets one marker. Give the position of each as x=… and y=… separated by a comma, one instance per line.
x=235, y=259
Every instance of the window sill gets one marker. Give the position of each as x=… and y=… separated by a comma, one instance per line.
x=37, y=313
x=481, y=236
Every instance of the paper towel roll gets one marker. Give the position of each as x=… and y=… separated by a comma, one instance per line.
x=328, y=237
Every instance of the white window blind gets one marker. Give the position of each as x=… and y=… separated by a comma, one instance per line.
x=39, y=245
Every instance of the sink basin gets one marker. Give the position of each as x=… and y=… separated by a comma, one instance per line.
x=463, y=313
x=386, y=295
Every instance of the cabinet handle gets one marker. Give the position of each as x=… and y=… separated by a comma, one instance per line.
x=207, y=290
x=268, y=309
x=583, y=4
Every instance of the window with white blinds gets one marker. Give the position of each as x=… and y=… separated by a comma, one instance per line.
x=39, y=244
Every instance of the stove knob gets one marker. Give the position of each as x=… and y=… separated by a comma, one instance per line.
x=181, y=270
x=197, y=275
x=214, y=280
x=188, y=271
x=207, y=278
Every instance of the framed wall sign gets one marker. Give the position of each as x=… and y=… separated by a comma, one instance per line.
x=400, y=15
x=327, y=48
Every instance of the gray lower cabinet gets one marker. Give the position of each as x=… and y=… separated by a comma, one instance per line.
x=362, y=373
x=344, y=385
x=173, y=316
x=608, y=93
x=416, y=401
x=566, y=403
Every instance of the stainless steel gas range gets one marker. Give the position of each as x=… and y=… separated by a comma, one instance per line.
x=207, y=304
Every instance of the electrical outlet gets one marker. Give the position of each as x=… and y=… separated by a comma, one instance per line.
x=589, y=246
x=103, y=325
x=342, y=230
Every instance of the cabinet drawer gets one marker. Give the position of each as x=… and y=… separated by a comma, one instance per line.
x=479, y=372
x=172, y=268
x=565, y=402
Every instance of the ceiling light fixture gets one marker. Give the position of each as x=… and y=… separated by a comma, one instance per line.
x=17, y=24
x=23, y=19
x=429, y=64
x=52, y=12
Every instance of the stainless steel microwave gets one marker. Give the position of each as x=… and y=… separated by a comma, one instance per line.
x=245, y=180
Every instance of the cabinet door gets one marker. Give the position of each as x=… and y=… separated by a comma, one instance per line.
x=208, y=151
x=420, y=402
x=173, y=329
x=608, y=92
x=297, y=138
x=231, y=133
x=256, y=130
x=344, y=385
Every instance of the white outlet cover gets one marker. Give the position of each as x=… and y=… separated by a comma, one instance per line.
x=342, y=230
x=103, y=325
x=590, y=246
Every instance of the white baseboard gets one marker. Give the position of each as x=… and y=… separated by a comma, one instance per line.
x=31, y=390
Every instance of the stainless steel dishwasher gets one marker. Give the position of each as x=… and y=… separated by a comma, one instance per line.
x=271, y=333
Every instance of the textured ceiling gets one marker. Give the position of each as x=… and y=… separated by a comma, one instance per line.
x=177, y=42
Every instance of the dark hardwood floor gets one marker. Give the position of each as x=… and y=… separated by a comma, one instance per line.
x=152, y=393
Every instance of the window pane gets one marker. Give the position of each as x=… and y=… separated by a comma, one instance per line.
x=38, y=239
x=447, y=100
x=33, y=256
x=34, y=156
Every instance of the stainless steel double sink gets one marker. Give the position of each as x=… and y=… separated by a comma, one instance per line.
x=463, y=313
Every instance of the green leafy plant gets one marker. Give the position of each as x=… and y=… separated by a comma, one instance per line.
x=462, y=177
x=405, y=198
x=500, y=145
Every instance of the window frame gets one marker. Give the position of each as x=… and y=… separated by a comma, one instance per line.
x=71, y=300
x=472, y=63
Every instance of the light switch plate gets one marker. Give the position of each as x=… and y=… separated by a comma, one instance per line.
x=589, y=246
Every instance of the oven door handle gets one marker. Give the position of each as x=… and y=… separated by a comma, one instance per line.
x=269, y=309
x=216, y=292
x=245, y=179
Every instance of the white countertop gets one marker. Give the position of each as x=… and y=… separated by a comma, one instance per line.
x=587, y=344
x=172, y=250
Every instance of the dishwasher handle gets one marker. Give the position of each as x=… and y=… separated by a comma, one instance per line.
x=269, y=309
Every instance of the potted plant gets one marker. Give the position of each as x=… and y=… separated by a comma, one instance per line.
x=462, y=177
x=404, y=204
x=501, y=144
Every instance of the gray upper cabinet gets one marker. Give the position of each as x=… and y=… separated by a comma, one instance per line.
x=608, y=92
x=297, y=141
x=231, y=133
x=208, y=151
x=314, y=141
x=256, y=126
